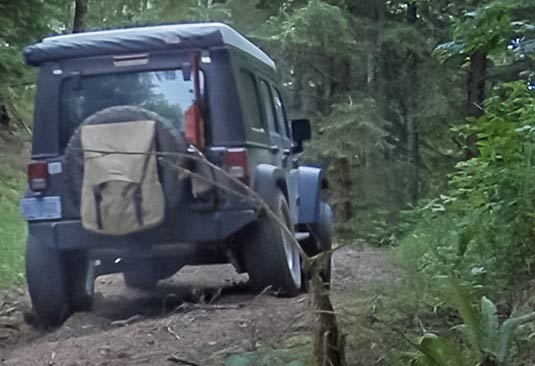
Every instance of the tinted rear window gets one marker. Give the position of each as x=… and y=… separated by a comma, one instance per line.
x=163, y=92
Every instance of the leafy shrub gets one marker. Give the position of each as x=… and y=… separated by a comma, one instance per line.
x=488, y=334
x=483, y=228
x=12, y=228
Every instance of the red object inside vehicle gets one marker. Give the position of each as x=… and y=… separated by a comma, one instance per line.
x=195, y=126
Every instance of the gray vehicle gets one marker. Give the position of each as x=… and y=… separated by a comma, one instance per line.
x=141, y=138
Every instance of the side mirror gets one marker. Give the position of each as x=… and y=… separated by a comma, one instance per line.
x=301, y=130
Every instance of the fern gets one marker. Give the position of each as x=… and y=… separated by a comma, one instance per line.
x=490, y=321
x=481, y=326
x=506, y=334
x=438, y=351
x=472, y=327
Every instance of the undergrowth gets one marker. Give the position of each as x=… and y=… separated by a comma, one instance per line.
x=12, y=228
x=478, y=237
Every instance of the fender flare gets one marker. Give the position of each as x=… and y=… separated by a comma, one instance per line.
x=311, y=182
x=269, y=179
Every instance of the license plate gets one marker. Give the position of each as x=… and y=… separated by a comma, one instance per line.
x=45, y=208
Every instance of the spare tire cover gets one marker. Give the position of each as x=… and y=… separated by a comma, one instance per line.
x=168, y=140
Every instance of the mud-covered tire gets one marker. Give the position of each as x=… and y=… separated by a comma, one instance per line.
x=270, y=257
x=47, y=283
x=168, y=139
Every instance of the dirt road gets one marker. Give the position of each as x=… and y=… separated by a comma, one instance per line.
x=199, y=314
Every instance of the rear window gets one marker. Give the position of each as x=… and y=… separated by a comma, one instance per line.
x=163, y=92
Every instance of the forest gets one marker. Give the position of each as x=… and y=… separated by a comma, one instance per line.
x=423, y=115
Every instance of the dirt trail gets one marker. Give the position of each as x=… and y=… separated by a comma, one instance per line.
x=199, y=313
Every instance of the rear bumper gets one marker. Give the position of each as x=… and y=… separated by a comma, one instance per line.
x=194, y=227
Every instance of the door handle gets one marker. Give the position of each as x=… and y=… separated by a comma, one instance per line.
x=274, y=149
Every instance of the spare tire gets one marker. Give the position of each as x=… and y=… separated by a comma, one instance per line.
x=168, y=140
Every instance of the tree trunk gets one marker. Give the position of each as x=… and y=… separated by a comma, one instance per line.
x=342, y=188
x=413, y=141
x=80, y=12
x=329, y=342
x=476, y=95
x=4, y=117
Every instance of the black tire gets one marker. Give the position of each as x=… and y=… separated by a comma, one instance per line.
x=80, y=281
x=47, y=285
x=168, y=139
x=270, y=257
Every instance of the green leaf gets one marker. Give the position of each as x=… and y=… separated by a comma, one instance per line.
x=506, y=334
x=441, y=352
x=490, y=319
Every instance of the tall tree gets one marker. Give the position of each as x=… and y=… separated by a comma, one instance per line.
x=80, y=11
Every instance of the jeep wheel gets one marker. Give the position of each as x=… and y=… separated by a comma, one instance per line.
x=270, y=256
x=45, y=275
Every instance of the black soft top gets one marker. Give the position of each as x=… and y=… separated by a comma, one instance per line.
x=142, y=39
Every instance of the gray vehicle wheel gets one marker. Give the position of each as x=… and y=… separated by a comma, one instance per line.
x=47, y=285
x=270, y=256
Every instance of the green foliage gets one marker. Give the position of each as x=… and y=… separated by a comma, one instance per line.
x=485, y=29
x=318, y=29
x=490, y=338
x=483, y=227
x=294, y=351
x=436, y=351
x=12, y=228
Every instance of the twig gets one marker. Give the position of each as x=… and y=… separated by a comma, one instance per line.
x=164, y=301
x=189, y=307
x=264, y=291
x=121, y=323
x=216, y=296
x=174, y=358
x=253, y=196
x=170, y=330
x=8, y=312
x=148, y=355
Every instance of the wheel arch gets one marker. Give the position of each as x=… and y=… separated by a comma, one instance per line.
x=269, y=179
x=311, y=182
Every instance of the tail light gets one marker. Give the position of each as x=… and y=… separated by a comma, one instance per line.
x=236, y=164
x=195, y=126
x=38, y=176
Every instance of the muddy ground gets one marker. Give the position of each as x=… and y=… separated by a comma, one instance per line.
x=194, y=318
